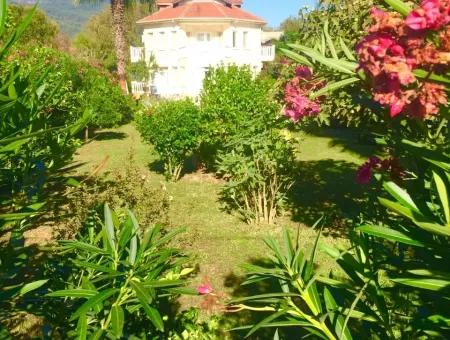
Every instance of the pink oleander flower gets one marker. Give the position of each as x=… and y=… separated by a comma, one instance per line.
x=432, y=15
x=205, y=289
x=390, y=166
x=298, y=104
x=428, y=100
x=303, y=72
x=364, y=173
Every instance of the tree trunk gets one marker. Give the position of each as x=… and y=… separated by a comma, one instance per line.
x=118, y=23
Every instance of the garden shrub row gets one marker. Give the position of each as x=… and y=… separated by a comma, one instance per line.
x=235, y=131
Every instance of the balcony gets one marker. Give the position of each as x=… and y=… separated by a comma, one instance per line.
x=136, y=54
x=268, y=53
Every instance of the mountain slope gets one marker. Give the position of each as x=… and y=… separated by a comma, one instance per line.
x=70, y=17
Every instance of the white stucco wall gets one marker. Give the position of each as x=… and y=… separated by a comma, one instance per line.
x=183, y=59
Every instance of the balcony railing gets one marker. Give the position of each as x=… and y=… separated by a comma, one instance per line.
x=268, y=53
x=136, y=54
x=139, y=87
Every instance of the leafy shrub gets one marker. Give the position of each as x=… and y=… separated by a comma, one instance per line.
x=259, y=170
x=175, y=129
x=127, y=189
x=233, y=100
x=126, y=276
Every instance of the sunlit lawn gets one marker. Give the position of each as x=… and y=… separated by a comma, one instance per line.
x=221, y=242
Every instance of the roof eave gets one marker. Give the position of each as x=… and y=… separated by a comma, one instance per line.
x=143, y=21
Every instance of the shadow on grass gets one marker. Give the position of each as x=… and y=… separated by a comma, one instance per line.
x=327, y=187
x=190, y=166
x=351, y=140
x=109, y=135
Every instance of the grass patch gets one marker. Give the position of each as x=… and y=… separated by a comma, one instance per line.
x=221, y=242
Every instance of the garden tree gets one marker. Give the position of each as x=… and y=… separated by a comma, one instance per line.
x=118, y=23
x=96, y=41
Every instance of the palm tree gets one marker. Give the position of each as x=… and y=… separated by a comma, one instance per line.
x=118, y=8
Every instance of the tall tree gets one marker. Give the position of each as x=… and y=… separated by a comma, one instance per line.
x=118, y=26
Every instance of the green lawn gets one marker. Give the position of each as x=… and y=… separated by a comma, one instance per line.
x=220, y=242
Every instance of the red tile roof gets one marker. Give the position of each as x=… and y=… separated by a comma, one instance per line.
x=201, y=10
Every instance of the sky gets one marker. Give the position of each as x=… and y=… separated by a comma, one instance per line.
x=275, y=11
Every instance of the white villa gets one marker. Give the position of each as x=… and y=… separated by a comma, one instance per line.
x=186, y=37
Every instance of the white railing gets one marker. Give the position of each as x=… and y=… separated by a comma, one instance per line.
x=268, y=53
x=138, y=87
x=136, y=54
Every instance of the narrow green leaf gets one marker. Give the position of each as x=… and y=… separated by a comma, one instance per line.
x=336, y=319
x=144, y=298
x=329, y=88
x=117, y=320
x=423, y=283
x=296, y=57
x=399, y=6
x=109, y=227
x=93, y=301
x=82, y=327
x=338, y=65
x=74, y=293
x=422, y=74
x=264, y=296
x=83, y=246
x=266, y=322
x=3, y=15
x=329, y=41
x=443, y=195
x=400, y=195
x=134, y=240
x=389, y=234
x=346, y=50
x=32, y=286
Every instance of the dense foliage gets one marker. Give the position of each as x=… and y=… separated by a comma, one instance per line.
x=124, y=279
x=174, y=128
x=396, y=281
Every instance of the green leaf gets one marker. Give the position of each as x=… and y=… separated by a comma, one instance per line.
x=264, y=296
x=3, y=15
x=329, y=41
x=83, y=246
x=109, y=228
x=74, y=293
x=336, y=319
x=346, y=50
x=32, y=286
x=389, y=234
x=422, y=74
x=443, y=195
x=296, y=57
x=134, y=240
x=91, y=265
x=117, y=320
x=423, y=283
x=334, y=86
x=400, y=195
x=399, y=6
x=266, y=322
x=336, y=64
x=82, y=327
x=93, y=301
x=145, y=298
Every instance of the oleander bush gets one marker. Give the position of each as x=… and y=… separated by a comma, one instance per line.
x=259, y=172
x=393, y=281
x=124, y=278
x=175, y=128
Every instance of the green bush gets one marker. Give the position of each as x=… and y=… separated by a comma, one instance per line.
x=124, y=280
x=233, y=100
x=127, y=189
x=258, y=168
x=175, y=129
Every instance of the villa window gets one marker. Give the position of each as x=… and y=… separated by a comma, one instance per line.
x=245, y=39
x=204, y=37
x=234, y=39
x=174, y=39
x=162, y=40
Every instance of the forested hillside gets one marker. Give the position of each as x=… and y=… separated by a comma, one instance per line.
x=70, y=17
